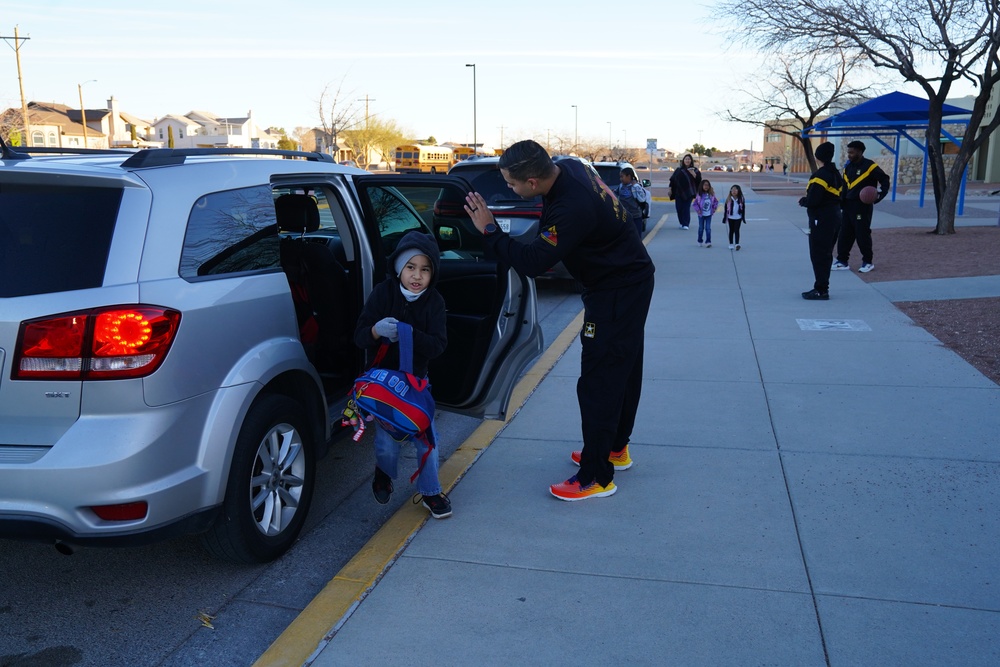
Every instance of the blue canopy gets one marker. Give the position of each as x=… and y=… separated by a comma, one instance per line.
x=888, y=111
x=894, y=115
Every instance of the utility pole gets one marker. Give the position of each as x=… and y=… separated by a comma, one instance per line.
x=83, y=112
x=26, y=139
x=501, y=137
x=475, y=139
x=366, y=101
x=576, y=126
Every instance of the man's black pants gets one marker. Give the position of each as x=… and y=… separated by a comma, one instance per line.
x=856, y=225
x=610, y=374
x=823, y=226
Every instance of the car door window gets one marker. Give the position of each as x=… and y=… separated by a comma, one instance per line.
x=232, y=231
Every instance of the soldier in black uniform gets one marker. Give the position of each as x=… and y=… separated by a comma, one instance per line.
x=859, y=173
x=822, y=201
x=584, y=226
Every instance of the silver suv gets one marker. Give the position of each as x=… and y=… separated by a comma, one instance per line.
x=176, y=336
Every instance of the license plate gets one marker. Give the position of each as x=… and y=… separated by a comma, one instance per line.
x=504, y=224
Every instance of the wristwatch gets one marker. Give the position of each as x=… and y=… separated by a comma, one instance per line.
x=490, y=229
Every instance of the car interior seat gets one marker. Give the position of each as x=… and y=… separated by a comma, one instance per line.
x=319, y=285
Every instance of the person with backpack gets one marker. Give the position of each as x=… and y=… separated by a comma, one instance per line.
x=408, y=295
x=734, y=214
x=632, y=196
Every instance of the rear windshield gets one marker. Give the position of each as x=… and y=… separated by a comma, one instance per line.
x=490, y=184
x=610, y=175
x=54, y=238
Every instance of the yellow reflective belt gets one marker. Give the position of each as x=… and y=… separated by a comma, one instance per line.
x=826, y=186
x=851, y=184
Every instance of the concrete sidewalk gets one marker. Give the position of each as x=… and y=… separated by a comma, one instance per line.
x=816, y=483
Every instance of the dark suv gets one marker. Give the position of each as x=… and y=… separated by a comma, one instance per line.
x=514, y=214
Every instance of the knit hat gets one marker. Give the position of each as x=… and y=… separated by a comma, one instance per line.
x=824, y=152
x=405, y=256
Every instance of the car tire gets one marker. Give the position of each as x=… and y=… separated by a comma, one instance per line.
x=273, y=468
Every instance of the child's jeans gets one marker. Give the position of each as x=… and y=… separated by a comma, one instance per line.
x=705, y=228
x=387, y=458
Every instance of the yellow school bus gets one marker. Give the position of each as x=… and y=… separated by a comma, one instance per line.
x=463, y=152
x=418, y=159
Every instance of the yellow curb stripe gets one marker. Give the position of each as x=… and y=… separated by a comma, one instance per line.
x=312, y=629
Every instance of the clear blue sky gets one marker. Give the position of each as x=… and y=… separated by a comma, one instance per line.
x=653, y=69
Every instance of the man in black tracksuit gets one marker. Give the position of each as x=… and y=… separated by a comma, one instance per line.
x=584, y=226
x=822, y=201
x=859, y=173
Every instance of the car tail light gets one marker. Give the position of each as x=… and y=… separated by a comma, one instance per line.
x=125, y=512
x=101, y=344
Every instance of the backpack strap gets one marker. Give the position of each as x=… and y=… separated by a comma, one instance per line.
x=405, y=347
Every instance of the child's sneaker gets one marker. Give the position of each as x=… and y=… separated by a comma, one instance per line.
x=381, y=487
x=439, y=505
x=708, y=244
x=620, y=459
x=572, y=490
x=731, y=246
x=737, y=246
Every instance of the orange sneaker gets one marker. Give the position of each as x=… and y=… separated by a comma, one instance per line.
x=621, y=459
x=571, y=490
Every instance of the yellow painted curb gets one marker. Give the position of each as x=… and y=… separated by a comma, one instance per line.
x=312, y=629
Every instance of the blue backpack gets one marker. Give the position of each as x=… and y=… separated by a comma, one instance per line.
x=399, y=401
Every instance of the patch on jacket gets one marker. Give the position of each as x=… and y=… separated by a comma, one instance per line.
x=551, y=236
x=589, y=330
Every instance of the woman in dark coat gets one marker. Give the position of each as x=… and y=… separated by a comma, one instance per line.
x=684, y=184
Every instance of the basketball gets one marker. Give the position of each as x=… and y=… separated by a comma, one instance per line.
x=868, y=194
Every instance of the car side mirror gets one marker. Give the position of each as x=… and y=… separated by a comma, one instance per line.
x=645, y=183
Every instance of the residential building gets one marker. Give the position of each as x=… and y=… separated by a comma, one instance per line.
x=202, y=129
x=55, y=125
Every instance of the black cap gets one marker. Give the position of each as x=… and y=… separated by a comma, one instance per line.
x=860, y=145
x=824, y=152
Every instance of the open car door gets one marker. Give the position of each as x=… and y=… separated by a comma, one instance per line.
x=493, y=331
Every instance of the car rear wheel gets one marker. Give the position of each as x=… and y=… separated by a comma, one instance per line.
x=270, y=484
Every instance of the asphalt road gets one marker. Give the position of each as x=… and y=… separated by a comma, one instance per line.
x=171, y=604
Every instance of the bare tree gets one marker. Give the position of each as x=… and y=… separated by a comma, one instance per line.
x=335, y=114
x=933, y=43
x=377, y=135
x=798, y=90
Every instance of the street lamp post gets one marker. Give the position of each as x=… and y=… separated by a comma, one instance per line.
x=83, y=112
x=576, y=126
x=475, y=139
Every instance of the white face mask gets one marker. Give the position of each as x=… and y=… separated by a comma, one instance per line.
x=408, y=295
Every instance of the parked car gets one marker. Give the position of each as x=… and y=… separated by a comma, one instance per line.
x=176, y=336
x=610, y=173
x=514, y=214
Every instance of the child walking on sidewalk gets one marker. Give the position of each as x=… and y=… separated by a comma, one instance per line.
x=408, y=296
x=705, y=204
x=734, y=215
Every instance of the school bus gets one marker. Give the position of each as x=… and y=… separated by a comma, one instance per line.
x=417, y=159
x=463, y=152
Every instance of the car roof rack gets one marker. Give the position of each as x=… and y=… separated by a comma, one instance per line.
x=162, y=157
